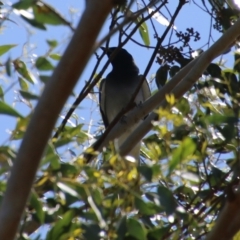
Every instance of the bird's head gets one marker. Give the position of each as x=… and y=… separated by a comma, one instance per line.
x=121, y=60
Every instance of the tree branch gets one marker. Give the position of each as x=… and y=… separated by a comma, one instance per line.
x=45, y=115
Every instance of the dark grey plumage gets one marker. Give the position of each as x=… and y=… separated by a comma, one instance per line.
x=116, y=91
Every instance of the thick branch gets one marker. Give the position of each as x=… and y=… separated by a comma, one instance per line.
x=45, y=115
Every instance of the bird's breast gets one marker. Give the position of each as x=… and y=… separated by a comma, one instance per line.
x=118, y=96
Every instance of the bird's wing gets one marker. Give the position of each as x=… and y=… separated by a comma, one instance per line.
x=102, y=102
x=146, y=90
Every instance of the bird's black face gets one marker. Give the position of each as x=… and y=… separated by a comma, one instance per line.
x=122, y=61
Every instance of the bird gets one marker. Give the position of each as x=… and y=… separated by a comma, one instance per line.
x=117, y=89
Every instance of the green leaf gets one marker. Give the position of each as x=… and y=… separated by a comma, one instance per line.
x=91, y=231
x=122, y=228
x=28, y=95
x=8, y=67
x=6, y=48
x=146, y=172
x=62, y=226
x=23, y=4
x=43, y=64
x=183, y=106
x=181, y=153
x=7, y=110
x=47, y=15
x=136, y=229
x=44, y=78
x=237, y=62
x=167, y=200
x=23, y=84
x=38, y=207
x=158, y=233
x=146, y=208
x=21, y=68
x=1, y=93
x=52, y=43
x=143, y=30
x=34, y=23
x=55, y=56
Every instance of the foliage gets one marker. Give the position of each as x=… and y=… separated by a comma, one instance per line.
x=189, y=161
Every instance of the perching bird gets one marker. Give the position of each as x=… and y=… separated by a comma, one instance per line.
x=117, y=89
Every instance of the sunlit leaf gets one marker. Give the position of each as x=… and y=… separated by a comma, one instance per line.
x=21, y=68
x=183, y=152
x=6, y=48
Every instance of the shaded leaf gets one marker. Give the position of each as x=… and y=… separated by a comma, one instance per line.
x=62, y=226
x=7, y=110
x=136, y=229
x=28, y=95
x=43, y=64
x=161, y=76
x=36, y=203
x=146, y=172
x=167, y=200
x=23, y=4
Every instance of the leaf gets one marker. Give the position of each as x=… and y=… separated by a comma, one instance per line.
x=161, y=76
x=55, y=56
x=38, y=207
x=44, y=78
x=45, y=14
x=62, y=226
x=28, y=95
x=7, y=110
x=23, y=84
x=183, y=106
x=21, y=68
x=52, y=43
x=143, y=30
x=237, y=62
x=146, y=172
x=43, y=64
x=146, y=208
x=174, y=70
x=136, y=229
x=6, y=48
x=167, y=200
x=1, y=93
x=122, y=228
x=23, y=4
x=34, y=22
x=91, y=231
x=160, y=18
x=184, y=151
x=214, y=70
